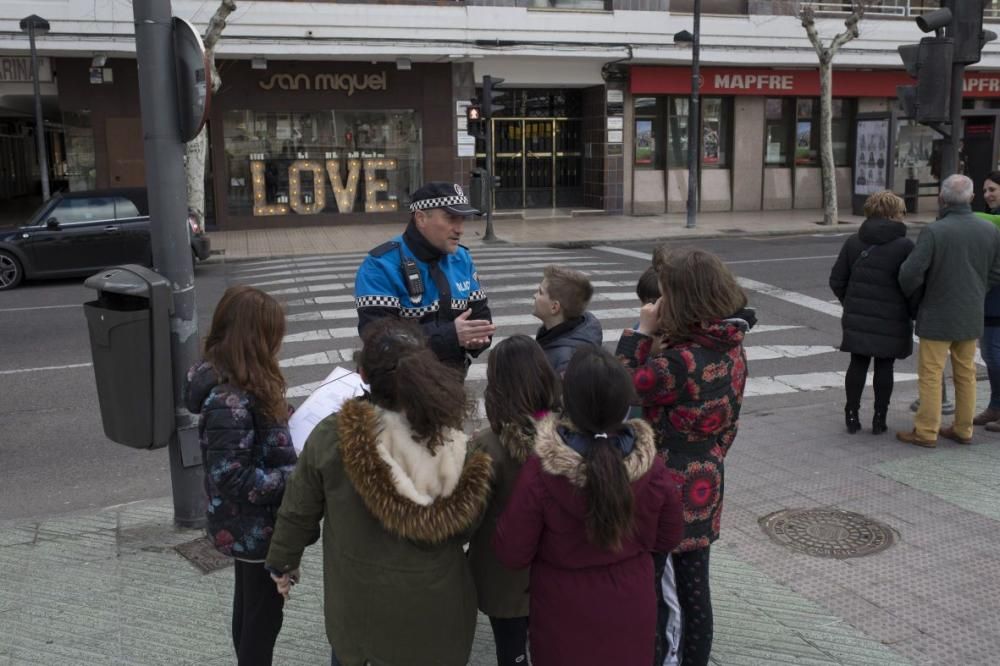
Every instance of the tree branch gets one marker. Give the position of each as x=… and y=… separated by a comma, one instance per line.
x=218, y=23
x=808, y=17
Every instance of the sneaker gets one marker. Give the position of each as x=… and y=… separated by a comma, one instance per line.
x=948, y=432
x=910, y=437
x=986, y=416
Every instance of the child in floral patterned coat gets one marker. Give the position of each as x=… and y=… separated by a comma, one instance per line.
x=689, y=370
x=247, y=452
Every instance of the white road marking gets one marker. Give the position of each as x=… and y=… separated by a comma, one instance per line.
x=768, y=261
x=809, y=381
x=648, y=256
x=498, y=250
x=794, y=297
x=47, y=367
x=353, y=267
x=41, y=307
x=346, y=276
x=768, y=352
x=339, y=286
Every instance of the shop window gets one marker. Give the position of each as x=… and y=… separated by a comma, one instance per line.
x=321, y=162
x=79, y=168
x=648, y=151
x=567, y=4
x=778, y=127
x=807, y=131
x=715, y=123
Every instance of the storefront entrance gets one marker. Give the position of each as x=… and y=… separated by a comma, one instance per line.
x=539, y=162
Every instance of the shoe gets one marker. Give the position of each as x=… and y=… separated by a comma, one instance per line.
x=986, y=416
x=910, y=437
x=993, y=426
x=948, y=432
x=878, y=422
x=852, y=420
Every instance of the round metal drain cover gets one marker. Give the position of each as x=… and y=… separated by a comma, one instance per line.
x=828, y=532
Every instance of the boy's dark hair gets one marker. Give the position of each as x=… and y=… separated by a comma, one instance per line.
x=597, y=394
x=519, y=383
x=648, y=286
x=572, y=289
x=405, y=376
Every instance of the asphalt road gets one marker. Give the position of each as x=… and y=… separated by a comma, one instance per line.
x=54, y=456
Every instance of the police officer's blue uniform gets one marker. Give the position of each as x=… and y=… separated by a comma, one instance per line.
x=450, y=286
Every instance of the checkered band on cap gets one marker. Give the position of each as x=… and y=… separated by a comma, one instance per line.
x=439, y=202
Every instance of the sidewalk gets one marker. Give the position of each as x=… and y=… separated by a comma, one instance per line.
x=265, y=243
x=107, y=587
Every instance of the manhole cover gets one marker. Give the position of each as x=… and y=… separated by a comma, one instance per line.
x=828, y=532
x=203, y=555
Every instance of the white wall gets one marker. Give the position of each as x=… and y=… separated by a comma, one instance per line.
x=321, y=30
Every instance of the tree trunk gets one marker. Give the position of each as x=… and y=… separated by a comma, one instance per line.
x=828, y=168
x=196, y=152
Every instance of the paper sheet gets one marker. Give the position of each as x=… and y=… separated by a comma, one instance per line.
x=339, y=386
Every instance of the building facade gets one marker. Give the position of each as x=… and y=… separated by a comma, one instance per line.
x=335, y=112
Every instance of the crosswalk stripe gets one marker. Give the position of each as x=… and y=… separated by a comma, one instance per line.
x=339, y=286
x=353, y=266
x=808, y=381
x=358, y=256
x=351, y=274
x=768, y=352
x=528, y=287
x=611, y=336
x=832, y=309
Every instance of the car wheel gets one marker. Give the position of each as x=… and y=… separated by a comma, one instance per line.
x=11, y=272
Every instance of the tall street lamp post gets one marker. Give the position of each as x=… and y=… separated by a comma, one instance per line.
x=36, y=25
x=694, y=113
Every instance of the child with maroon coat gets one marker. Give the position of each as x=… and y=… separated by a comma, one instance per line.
x=590, y=505
x=689, y=369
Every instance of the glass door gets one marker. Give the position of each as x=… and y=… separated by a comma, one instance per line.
x=539, y=162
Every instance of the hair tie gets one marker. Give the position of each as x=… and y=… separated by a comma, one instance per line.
x=600, y=435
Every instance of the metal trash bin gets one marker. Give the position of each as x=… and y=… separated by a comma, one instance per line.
x=478, y=189
x=129, y=326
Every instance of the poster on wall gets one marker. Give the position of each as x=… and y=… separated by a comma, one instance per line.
x=871, y=154
x=645, y=142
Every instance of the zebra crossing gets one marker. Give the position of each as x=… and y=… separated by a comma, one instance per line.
x=317, y=292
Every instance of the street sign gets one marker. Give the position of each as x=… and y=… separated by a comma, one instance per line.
x=194, y=79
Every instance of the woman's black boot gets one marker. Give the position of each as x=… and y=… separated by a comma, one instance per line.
x=878, y=421
x=852, y=420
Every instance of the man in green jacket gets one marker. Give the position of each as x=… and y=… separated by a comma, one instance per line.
x=956, y=260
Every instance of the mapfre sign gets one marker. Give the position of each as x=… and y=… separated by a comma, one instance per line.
x=739, y=81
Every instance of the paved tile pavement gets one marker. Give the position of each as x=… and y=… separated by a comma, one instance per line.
x=107, y=586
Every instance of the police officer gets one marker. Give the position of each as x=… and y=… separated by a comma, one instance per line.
x=424, y=274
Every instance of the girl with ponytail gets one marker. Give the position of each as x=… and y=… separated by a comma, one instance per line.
x=592, y=503
x=521, y=389
x=392, y=480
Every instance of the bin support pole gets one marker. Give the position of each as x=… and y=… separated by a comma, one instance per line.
x=167, y=186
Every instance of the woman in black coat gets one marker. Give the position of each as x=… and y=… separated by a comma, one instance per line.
x=877, y=316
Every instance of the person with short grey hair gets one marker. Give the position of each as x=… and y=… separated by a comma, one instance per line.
x=955, y=261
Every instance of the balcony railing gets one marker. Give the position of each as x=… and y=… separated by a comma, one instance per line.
x=879, y=8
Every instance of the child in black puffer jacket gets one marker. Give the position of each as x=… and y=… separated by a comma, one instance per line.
x=247, y=452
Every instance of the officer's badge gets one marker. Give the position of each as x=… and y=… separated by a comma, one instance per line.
x=458, y=191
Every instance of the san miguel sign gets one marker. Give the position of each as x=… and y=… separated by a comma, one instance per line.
x=738, y=81
x=349, y=83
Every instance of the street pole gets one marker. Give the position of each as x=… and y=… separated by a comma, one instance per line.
x=694, y=120
x=32, y=23
x=489, y=236
x=167, y=186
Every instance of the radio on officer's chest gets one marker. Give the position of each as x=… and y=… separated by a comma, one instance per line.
x=414, y=283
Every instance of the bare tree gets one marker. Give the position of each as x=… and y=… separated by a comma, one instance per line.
x=825, y=54
x=197, y=148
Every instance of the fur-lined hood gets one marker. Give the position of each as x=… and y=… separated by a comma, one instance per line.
x=559, y=459
x=414, y=493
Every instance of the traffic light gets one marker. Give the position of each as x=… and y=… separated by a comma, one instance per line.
x=475, y=125
x=490, y=107
x=966, y=28
x=930, y=63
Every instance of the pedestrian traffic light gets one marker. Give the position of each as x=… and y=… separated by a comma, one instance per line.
x=475, y=125
x=490, y=107
x=966, y=28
